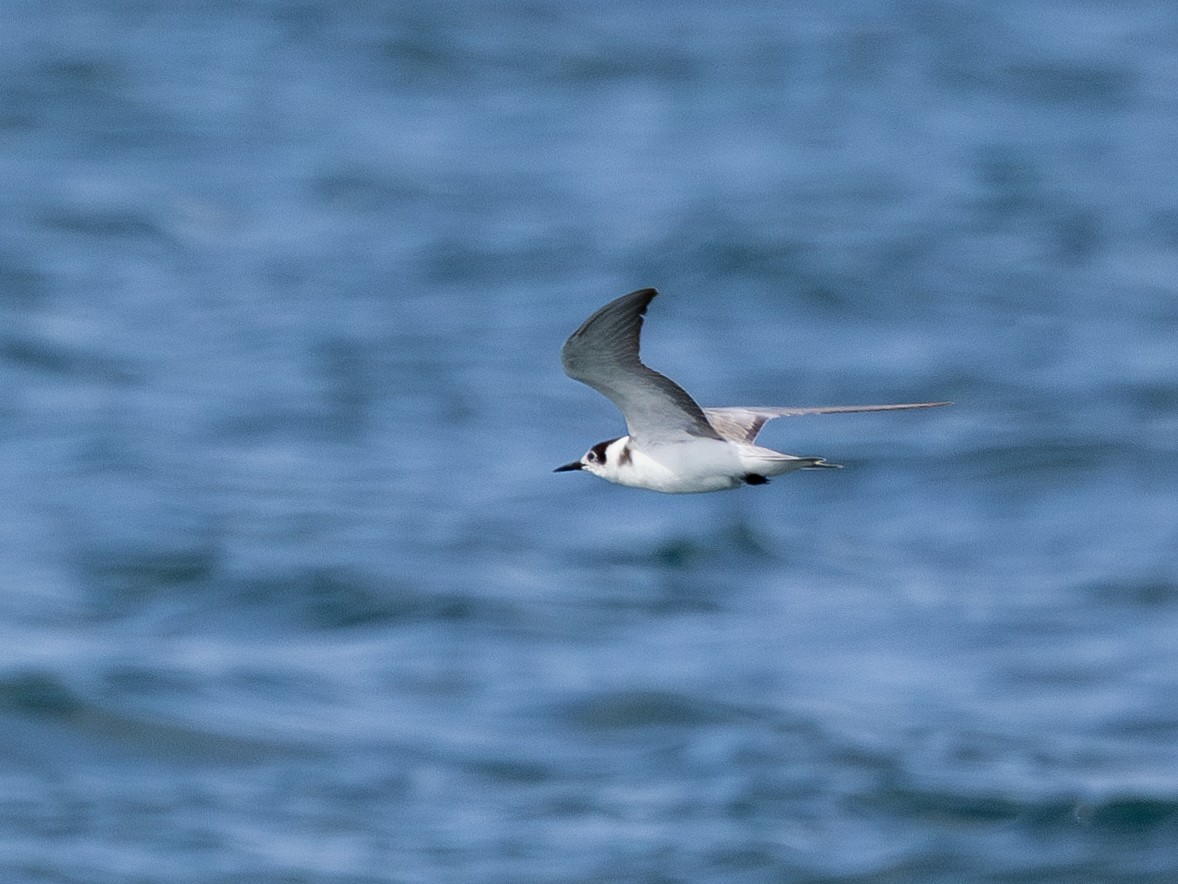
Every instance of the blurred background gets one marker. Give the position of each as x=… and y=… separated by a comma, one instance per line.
x=288, y=591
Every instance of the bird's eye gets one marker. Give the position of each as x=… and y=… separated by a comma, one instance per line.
x=591, y=456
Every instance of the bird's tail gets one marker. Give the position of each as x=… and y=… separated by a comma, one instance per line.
x=817, y=463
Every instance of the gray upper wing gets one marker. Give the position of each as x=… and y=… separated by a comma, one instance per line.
x=743, y=423
x=603, y=353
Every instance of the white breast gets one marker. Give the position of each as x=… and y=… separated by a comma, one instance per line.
x=679, y=467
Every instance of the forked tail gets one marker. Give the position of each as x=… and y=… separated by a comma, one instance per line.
x=818, y=463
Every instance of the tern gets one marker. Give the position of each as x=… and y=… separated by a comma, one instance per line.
x=673, y=445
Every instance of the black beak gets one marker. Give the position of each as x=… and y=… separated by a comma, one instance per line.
x=575, y=465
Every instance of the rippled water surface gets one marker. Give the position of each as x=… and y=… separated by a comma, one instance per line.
x=289, y=592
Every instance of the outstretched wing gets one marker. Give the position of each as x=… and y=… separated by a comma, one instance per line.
x=742, y=424
x=603, y=353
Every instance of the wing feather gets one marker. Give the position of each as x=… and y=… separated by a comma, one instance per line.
x=743, y=423
x=603, y=353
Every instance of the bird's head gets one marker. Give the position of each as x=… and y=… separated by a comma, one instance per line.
x=602, y=459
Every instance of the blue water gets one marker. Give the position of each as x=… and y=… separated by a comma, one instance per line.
x=288, y=591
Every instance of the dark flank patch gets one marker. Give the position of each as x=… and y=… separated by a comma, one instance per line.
x=754, y=479
x=625, y=457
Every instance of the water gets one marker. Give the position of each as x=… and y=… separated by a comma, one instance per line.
x=289, y=592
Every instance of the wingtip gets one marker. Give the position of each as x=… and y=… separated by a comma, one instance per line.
x=645, y=295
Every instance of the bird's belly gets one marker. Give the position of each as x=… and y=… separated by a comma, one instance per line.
x=688, y=468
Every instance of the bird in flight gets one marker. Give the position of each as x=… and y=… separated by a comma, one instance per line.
x=672, y=444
